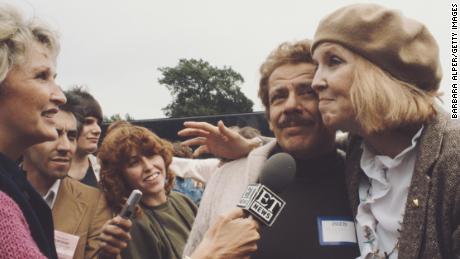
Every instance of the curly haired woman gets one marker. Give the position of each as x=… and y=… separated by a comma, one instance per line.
x=133, y=157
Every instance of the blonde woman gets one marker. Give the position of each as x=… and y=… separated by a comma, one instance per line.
x=29, y=101
x=377, y=77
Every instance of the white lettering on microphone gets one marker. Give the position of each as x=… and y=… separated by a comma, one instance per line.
x=266, y=200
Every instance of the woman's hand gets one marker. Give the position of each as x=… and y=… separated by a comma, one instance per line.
x=114, y=237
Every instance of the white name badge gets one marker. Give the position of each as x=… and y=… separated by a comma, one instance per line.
x=336, y=231
x=65, y=244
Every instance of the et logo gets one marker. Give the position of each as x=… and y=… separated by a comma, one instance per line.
x=261, y=203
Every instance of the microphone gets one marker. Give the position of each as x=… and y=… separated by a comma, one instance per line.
x=130, y=204
x=126, y=211
x=261, y=200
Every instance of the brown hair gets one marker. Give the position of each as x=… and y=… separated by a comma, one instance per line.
x=85, y=104
x=249, y=132
x=286, y=53
x=114, y=154
x=117, y=124
x=182, y=151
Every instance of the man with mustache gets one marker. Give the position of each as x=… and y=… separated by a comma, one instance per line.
x=316, y=221
x=77, y=209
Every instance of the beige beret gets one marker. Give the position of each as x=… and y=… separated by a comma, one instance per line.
x=397, y=44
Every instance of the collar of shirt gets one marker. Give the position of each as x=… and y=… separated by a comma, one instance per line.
x=373, y=164
x=50, y=196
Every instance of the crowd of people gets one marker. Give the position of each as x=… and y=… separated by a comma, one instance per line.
x=390, y=189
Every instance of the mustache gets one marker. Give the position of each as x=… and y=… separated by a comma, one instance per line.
x=289, y=120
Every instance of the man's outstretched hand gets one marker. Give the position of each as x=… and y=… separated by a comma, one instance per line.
x=219, y=140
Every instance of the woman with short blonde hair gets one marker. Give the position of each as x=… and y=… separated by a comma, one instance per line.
x=29, y=101
x=17, y=33
x=378, y=73
x=372, y=92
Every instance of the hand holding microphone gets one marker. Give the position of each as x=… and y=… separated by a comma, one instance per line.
x=235, y=235
x=231, y=236
x=115, y=232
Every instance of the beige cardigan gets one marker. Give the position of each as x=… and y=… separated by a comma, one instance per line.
x=224, y=190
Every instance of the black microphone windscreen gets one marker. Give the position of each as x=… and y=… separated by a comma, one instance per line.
x=278, y=171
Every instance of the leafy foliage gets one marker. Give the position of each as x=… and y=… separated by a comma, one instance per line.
x=118, y=117
x=201, y=89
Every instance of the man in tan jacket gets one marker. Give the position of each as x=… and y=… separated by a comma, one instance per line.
x=79, y=211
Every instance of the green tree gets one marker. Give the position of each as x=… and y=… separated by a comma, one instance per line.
x=118, y=117
x=201, y=89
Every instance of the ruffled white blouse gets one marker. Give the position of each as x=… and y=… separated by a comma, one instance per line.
x=383, y=196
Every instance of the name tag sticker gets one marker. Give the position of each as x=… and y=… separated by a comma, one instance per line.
x=65, y=244
x=336, y=231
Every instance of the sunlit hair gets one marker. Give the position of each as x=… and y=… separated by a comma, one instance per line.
x=382, y=102
x=17, y=34
x=117, y=124
x=116, y=149
x=286, y=53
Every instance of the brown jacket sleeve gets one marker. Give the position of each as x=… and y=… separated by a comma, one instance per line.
x=102, y=213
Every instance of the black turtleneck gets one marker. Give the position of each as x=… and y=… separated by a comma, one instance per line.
x=318, y=190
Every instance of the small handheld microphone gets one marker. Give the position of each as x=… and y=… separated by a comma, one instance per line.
x=130, y=204
x=260, y=200
x=126, y=211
